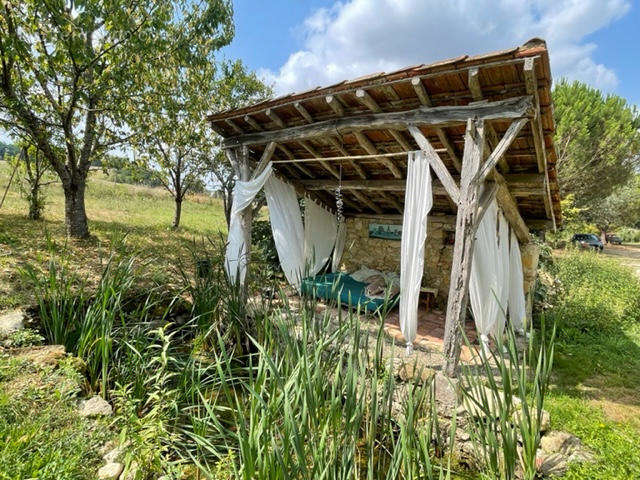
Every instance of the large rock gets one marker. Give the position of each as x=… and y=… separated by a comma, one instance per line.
x=110, y=471
x=566, y=444
x=11, y=322
x=96, y=406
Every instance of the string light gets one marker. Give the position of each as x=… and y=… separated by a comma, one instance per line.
x=339, y=201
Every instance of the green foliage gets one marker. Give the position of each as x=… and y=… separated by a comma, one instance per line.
x=75, y=73
x=597, y=294
x=629, y=235
x=23, y=338
x=507, y=434
x=40, y=432
x=262, y=239
x=598, y=141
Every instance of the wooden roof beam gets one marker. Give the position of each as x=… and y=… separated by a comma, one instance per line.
x=291, y=156
x=251, y=121
x=327, y=166
x=372, y=150
x=491, y=136
x=303, y=111
x=335, y=143
x=517, y=107
x=364, y=199
x=531, y=83
x=519, y=184
x=274, y=117
x=234, y=126
x=367, y=100
x=335, y=105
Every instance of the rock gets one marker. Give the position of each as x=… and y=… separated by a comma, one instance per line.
x=94, y=407
x=553, y=464
x=563, y=444
x=110, y=471
x=559, y=442
x=409, y=370
x=545, y=419
x=11, y=322
x=113, y=455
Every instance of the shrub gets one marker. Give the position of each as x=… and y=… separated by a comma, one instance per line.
x=596, y=293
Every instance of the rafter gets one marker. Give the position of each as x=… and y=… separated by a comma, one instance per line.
x=251, y=121
x=335, y=143
x=303, y=111
x=274, y=117
x=335, y=105
x=371, y=149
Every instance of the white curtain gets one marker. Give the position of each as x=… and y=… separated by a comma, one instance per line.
x=286, y=225
x=243, y=195
x=486, y=282
x=338, y=250
x=417, y=204
x=320, y=230
x=502, y=272
x=517, y=309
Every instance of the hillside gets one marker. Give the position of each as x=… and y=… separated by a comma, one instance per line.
x=142, y=214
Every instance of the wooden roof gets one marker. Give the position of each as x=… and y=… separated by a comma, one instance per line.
x=528, y=166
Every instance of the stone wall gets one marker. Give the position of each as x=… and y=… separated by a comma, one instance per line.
x=384, y=255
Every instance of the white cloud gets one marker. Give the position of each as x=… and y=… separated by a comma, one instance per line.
x=358, y=37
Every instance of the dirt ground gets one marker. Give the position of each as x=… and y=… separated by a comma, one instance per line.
x=627, y=255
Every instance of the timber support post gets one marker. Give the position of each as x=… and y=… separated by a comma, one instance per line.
x=464, y=242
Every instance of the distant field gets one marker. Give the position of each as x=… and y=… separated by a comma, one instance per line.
x=144, y=214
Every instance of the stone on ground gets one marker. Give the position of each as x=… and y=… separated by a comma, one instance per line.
x=113, y=455
x=96, y=406
x=110, y=471
x=11, y=322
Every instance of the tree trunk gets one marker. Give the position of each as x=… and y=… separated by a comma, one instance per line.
x=34, y=203
x=75, y=215
x=177, y=213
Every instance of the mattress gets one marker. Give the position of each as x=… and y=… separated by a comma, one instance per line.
x=342, y=287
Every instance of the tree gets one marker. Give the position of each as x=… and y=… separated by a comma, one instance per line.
x=32, y=169
x=72, y=72
x=237, y=88
x=175, y=146
x=597, y=139
x=621, y=208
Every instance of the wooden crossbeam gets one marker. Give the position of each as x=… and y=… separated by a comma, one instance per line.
x=392, y=201
x=436, y=164
x=335, y=105
x=371, y=149
x=363, y=198
x=517, y=107
x=510, y=208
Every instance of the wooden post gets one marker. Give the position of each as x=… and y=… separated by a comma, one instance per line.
x=464, y=242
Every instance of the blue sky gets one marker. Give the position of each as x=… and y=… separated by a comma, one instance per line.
x=297, y=44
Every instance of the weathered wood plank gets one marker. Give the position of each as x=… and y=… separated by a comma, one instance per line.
x=368, y=101
x=251, y=121
x=274, y=117
x=463, y=247
x=303, y=111
x=436, y=164
x=264, y=159
x=327, y=166
x=510, y=208
x=335, y=143
x=488, y=195
x=511, y=108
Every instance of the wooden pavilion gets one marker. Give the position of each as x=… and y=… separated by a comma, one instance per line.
x=484, y=120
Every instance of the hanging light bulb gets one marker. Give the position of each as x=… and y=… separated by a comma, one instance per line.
x=339, y=201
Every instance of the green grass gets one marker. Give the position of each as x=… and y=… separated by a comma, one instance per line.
x=41, y=435
x=141, y=213
x=596, y=392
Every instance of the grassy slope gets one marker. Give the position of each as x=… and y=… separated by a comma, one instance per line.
x=596, y=394
x=144, y=214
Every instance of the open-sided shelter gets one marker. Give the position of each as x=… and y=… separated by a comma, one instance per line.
x=466, y=142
